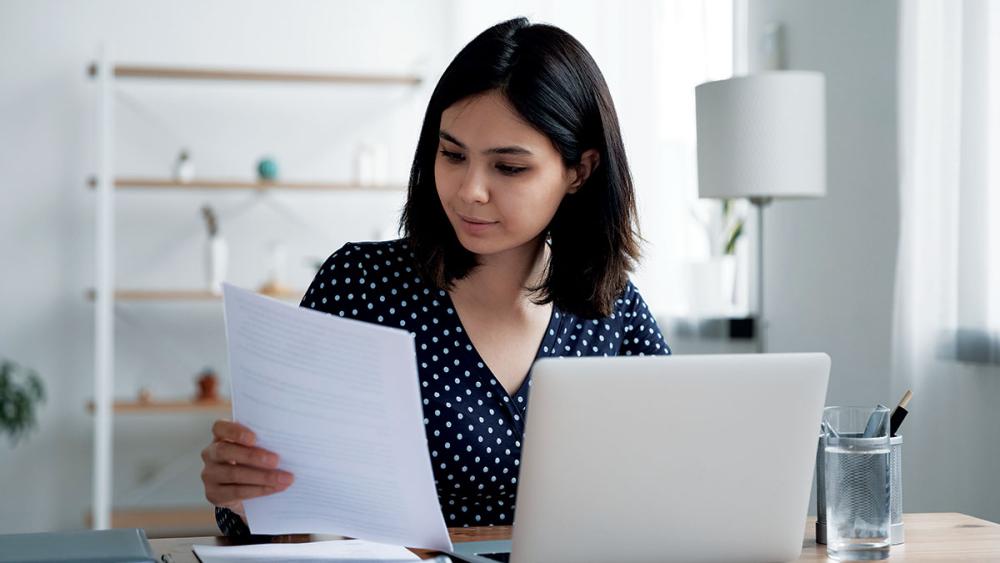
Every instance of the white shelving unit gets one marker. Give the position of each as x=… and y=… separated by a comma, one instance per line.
x=105, y=295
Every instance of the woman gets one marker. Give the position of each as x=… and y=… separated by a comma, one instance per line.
x=520, y=230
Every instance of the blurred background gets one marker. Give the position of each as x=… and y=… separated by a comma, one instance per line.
x=256, y=172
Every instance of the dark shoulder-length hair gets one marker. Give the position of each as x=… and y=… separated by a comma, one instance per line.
x=551, y=80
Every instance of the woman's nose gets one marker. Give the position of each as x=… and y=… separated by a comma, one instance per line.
x=473, y=188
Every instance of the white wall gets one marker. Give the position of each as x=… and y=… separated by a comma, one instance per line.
x=831, y=263
x=48, y=135
x=46, y=237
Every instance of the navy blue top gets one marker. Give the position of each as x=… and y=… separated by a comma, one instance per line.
x=473, y=426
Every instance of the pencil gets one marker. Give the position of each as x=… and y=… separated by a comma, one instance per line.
x=899, y=413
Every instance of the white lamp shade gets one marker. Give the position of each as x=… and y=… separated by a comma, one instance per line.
x=762, y=136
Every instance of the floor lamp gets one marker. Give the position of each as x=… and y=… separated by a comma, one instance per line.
x=762, y=137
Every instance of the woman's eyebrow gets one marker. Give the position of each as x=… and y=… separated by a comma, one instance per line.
x=516, y=150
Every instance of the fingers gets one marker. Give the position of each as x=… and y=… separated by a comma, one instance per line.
x=226, y=474
x=235, y=470
x=233, y=432
x=226, y=484
x=228, y=452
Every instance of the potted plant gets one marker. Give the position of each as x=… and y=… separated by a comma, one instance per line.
x=21, y=390
x=712, y=282
x=216, y=252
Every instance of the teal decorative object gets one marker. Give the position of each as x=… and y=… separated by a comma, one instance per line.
x=267, y=169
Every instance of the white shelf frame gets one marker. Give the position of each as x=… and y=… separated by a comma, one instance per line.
x=104, y=303
x=107, y=74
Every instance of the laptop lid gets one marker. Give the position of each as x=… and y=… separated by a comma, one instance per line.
x=125, y=545
x=686, y=458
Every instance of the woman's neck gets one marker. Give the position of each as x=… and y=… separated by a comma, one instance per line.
x=501, y=280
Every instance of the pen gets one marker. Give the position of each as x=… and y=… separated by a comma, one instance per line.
x=899, y=413
x=875, y=421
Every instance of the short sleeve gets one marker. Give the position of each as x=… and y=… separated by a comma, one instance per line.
x=230, y=523
x=340, y=287
x=641, y=336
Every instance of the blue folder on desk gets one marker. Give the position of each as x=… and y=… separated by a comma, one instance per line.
x=127, y=545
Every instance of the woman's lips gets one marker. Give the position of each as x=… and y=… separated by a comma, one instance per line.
x=475, y=225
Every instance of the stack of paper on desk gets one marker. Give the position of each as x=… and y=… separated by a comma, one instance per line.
x=338, y=400
x=342, y=551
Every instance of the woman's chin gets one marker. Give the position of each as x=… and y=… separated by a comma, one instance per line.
x=476, y=245
x=492, y=245
x=481, y=244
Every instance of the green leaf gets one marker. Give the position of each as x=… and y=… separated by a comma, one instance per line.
x=733, y=238
x=20, y=392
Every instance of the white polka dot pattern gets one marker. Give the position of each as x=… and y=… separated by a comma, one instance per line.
x=474, y=428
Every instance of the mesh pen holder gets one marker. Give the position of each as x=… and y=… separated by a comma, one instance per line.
x=895, y=491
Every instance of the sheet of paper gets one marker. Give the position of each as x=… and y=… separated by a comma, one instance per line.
x=338, y=400
x=341, y=551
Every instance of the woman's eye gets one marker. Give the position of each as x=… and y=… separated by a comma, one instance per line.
x=453, y=156
x=510, y=170
x=503, y=168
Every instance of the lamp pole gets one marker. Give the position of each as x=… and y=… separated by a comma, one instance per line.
x=760, y=203
x=760, y=137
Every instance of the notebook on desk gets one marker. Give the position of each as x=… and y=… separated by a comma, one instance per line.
x=690, y=458
x=126, y=545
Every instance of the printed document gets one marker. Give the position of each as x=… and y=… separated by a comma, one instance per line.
x=338, y=400
x=342, y=551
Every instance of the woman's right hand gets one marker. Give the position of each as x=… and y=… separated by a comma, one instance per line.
x=235, y=470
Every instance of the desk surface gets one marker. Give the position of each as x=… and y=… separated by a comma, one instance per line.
x=943, y=536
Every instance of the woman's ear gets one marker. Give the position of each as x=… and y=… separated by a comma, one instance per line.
x=589, y=161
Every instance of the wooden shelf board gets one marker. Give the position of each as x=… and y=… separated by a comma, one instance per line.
x=237, y=184
x=183, y=295
x=154, y=406
x=179, y=518
x=250, y=75
x=187, y=518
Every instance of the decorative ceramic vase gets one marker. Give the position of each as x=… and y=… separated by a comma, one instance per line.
x=710, y=286
x=278, y=260
x=275, y=284
x=217, y=259
x=208, y=385
x=267, y=169
x=184, y=168
x=370, y=165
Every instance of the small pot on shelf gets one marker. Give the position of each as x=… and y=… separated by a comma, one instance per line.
x=208, y=386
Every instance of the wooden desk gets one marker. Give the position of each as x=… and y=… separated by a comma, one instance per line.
x=943, y=536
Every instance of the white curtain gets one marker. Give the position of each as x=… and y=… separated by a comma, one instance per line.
x=947, y=314
x=652, y=53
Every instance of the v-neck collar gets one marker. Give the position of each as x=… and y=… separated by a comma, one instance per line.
x=549, y=334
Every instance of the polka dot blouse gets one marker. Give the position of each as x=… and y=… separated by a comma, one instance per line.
x=474, y=428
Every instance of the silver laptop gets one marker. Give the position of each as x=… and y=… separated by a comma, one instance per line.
x=667, y=458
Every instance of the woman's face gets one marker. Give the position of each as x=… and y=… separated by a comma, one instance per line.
x=500, y=181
